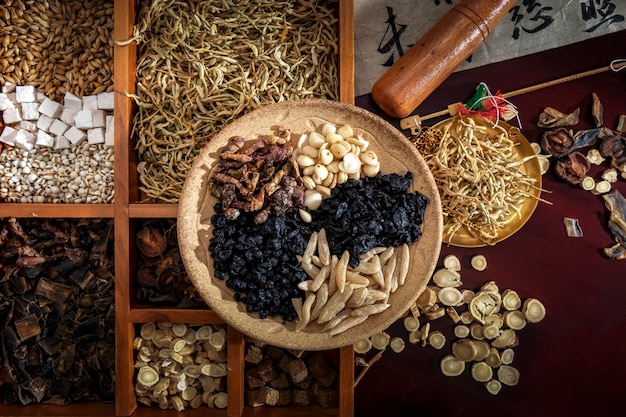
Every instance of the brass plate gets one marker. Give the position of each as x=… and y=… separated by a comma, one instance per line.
x=396, y=154
x=462, y=237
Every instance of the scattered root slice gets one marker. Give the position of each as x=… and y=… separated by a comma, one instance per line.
x=425, y=333
x=437, y=340
x=507, y=356
x=464, y=350
x=515, y=319
x=449, y=296
x=493, y=359
x=434, y=313
x=147, y=376
x=493, y=387
x=511, y=300
x=411, y=323
x=415, y=337
x=482, y=372
x=491, y=332
x=451, y=366
x=484, y=304
x=363, y=346
x=444, y=277
x=506, y=339
x=479, y=262
x=380, y=340
x=397, y=344
x=533, y=310
x=461, y=331
x=477, y=331
x=495, y=320
x=482, y=350
x=588, y=183
x=508, y=375
x=452, y=263
x=427, y=298
x=147, y=331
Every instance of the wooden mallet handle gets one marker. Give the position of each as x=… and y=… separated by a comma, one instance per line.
x=437, y=54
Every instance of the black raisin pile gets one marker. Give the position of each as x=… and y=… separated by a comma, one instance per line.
x=259, y=261
x=376, y=211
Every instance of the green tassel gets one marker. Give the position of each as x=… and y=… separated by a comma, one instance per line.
x=475, y=101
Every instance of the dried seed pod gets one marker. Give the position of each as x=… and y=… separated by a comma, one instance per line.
x=557, y=142
x=451, y=366
x=508, y=375
x=533, y=310
x=482, y=372
x=572, y=168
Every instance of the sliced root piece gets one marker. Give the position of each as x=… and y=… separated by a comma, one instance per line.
x=147, y=331
x=449, y=296
x=380, y=340
x=511, y=300
x=411, y=323
x=482, y=350
x=425, y=333
x=533, y=310
x=452, y=263
x=491, y=332
x=494, y=320
x=436, y=339
x=451, y=366
x=482, y=372
x=453, y=314
x=461, y=331
x=434, y=313
x=508, y=375
x=507, y=356
x=477, y=331
x=493, y=358
x=397, y=344
x=466, y=317
x=493, y=387
x=447, y=278
x=415, y=337
x=363, y=346
x=588, y=183
x=464, y=350
x=427, y=298
x=515, y=319
x=478, y=262
x=484, y=304
x=147, y=376
x=506, y=339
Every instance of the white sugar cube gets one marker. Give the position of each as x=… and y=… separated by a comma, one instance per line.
x=73, y=102
x=12, y=116
x=6, y=102
x=84, y=119
x=90, y=102
x=28, y=125
x=25, y=140
x=106, y=100
x=67, y=115
x=98, y=117
x=58, y=127
x=50, y=108
x=75, y=135
x=40, y=97
x=8, y=87
x=61, y=142
x=30, y=111
x=109, y=131
x=44, y=139
x=44, y=123
x=8, y=135
x=25, y=94
x=95, y=136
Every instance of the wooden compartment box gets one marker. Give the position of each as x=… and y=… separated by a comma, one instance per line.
x=127, y=212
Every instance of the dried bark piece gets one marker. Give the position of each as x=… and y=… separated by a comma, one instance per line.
x=597, y=111
x=27, y=327
x=551, y=117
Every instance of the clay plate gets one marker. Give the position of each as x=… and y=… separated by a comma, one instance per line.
x=462, y=237
x=196, y=208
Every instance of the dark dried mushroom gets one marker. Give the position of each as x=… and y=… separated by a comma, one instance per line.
x=572, y=168
x=151, y=242
x=557, y=142
x=613, y=147
x=551, y=117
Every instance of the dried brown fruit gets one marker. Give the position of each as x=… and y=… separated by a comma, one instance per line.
x=572, y=168
x=151, y=242
x=557, y=142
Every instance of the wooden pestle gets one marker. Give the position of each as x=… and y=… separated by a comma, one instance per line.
x=437, y=54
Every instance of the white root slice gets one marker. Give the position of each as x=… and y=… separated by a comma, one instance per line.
x=506, y=339
x=484, y=304
x=601, y=187
x=507, y=356
x=220, y=400
x=397, y=344
x=411, y=323
x=449, y=296
x=491, y=332
x=515, y=319
x=179, y=329
x=477, y=331
x=461, y=331
x=452, y=263
x=147, y=376
x=493, y=387
x=482, y=349
x=204, y=332
x=451, y=366
x=533, y=310
x=436, y=340
x=466, y=317
x=363, y=346
x=494, y=320
x=482, y=372
x=464, y=350
x=217, y=341
x=493, y=358
x=467, y=296
x=444, y=277
x=380, y=340
x=425, y=331
x=147, y=331
x=588, y=183
x=479, y=262
x=508, y=375
x=415, y=337
x=427, y=298
x=511, y=300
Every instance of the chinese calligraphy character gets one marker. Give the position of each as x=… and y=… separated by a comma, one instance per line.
x=599, y=9
x=537, y=16
x=394, y=41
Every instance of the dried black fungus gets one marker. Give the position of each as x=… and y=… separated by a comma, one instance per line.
x=259, y=261
x=378, y=211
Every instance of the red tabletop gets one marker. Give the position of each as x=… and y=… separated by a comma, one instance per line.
x=573, y=363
